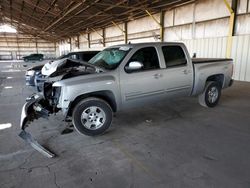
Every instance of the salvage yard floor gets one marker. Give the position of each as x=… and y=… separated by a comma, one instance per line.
x=173, y=144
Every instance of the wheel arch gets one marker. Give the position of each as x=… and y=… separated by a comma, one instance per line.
x=220, y=78
x=105, y=95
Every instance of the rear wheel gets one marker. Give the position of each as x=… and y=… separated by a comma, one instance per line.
x=92, y=116
x=211, y=95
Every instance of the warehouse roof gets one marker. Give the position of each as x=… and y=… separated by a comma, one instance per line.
x=57, y=19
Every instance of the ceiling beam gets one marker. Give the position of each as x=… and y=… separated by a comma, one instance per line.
x=48, y=9
x=32, y=5
x=65, y=14
x=77, y=13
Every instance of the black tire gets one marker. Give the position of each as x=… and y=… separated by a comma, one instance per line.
x=206, y=99
x=103, y=110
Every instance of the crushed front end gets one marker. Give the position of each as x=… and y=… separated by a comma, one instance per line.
x=37, y=106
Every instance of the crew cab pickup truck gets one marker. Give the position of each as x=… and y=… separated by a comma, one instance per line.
x=126, y=76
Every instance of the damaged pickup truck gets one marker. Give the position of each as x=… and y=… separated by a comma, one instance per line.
x=126, y=76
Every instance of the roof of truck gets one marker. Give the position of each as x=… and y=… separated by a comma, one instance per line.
x=132, y=45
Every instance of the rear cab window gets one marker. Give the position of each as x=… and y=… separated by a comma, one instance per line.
x=174, y=56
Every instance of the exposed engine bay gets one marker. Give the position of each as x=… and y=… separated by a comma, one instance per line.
x=45, y=103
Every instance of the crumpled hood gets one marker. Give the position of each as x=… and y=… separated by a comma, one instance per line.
x=51, y=67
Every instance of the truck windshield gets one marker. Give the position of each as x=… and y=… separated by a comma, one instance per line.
x=110, y=58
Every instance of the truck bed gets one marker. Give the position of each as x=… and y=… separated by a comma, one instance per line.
x=209, y=60
x=206, y=67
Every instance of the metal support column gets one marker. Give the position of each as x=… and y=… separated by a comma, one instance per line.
x=125, y=31
x=70, y=44
x=89, y=40
x=160, y=23
x=162, y=26
x=103, y=37
x=78, y=41
x=36, y=46
x=231, y=10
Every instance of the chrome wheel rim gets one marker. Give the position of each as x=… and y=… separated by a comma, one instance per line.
x=93, y=118
x=213, y=94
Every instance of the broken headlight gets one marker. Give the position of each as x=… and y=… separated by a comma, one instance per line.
x=30, y=73
x=56, y=92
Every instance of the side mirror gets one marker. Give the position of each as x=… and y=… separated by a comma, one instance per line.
x=134, y=66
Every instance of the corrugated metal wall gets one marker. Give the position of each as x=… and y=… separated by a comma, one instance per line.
x=202, y=25
x=15, y=46
x=216, y=48
x=241, y=56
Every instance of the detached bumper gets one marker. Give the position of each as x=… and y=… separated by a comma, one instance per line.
x=33, y=109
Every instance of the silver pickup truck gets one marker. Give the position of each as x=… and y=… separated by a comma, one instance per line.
x=126, y=76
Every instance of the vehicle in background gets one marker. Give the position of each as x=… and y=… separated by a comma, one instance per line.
x=33, y=57
x=127, y=76
x=30, y=75
x=33, y=75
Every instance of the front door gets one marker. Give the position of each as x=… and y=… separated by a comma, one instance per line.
x=144, y=85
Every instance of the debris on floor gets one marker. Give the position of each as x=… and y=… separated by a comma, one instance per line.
x=66, y=131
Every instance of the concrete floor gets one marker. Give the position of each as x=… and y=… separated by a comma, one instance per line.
x=175, y=144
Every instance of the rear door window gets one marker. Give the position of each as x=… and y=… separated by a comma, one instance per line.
x=174, y=56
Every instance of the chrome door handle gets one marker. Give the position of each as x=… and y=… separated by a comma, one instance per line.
x=157, y=76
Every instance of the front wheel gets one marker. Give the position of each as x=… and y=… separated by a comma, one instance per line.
x=92, y=116
x=211, y=95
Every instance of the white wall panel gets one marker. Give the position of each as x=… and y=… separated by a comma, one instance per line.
x=210, y=9
x=96, y=35
x=114, y=43
x=114, y=31
x=214, y=28
x=150, y=39
x=172, y=34
x=143, y=24
x=184, y=14
x=242, y=6
x=216, y=48
x=169, y=18
x=14, y=46
x=243, y=24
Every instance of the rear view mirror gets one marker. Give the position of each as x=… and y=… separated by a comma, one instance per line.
x=134, y=66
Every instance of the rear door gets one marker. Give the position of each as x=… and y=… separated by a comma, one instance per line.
x=178, y=74
x=145, y=85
